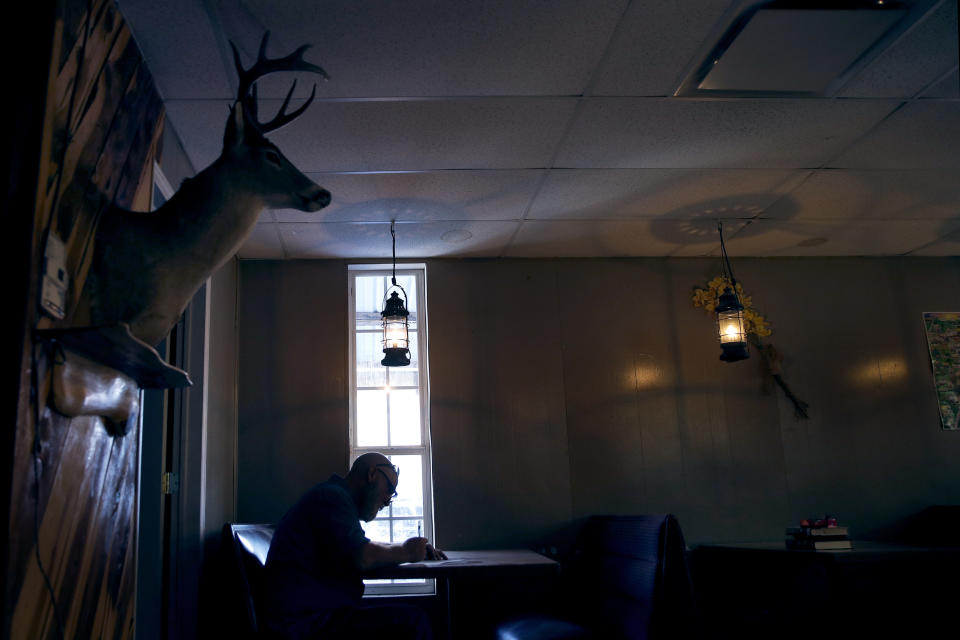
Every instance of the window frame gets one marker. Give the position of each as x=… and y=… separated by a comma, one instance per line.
x=424, y=449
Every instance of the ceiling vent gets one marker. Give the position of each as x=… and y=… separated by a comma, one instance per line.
x=796, y=48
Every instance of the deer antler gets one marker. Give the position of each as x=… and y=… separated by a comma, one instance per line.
x=247, y=91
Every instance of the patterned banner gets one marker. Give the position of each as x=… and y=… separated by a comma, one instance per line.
x=943, y=339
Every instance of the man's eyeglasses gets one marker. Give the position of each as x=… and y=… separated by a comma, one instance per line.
x=391, y=488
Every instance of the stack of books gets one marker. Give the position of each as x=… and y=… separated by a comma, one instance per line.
x=818, y=538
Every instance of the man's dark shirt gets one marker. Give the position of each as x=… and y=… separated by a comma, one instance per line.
x=311, y=570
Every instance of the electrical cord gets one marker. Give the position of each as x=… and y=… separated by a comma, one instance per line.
x=57, y=357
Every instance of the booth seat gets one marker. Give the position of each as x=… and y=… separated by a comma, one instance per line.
x=628, y=577
x=246, y=546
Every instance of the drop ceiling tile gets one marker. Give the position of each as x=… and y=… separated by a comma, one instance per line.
x=687, y=133
x=178, y=44
x=770, y=238
x=320, y=140
x=617, y=238
x=496, y=47
x=263, y=243
x=947, y=244
x=919, y=57
x=660, y=193
x=340, y=136
x=200, y=125
x=849, y=194
x=275, y=86
x=921, y=135
x=421, y=196
x=414, y=240
x=948, y=87
x=646, y=58
x=496, y=133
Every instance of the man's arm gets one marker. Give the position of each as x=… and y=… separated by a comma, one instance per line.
x=373, y=555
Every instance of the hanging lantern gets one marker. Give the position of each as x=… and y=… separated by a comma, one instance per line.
x=396, y=336
x=729, y=310
x=733, y=337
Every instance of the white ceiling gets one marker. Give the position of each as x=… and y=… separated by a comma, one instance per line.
x=537, y=128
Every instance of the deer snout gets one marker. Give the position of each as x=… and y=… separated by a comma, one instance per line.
x=316, y=198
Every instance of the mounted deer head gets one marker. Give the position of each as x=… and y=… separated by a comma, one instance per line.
x=147, y=266
x=245, y=144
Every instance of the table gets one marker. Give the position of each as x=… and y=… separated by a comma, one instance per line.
x=871, y=589
x=461, y=565
x=472, y=564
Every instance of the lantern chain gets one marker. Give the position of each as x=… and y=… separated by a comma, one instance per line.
x=393, y=234
x=726, y=259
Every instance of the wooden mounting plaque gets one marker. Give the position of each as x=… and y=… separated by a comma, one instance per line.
x=118, y=348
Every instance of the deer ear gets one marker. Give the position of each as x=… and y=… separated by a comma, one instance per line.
x=233, y=136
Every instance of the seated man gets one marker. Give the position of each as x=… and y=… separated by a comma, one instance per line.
x=314, y=584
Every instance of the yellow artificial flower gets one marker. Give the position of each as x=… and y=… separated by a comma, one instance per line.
x=706, y=297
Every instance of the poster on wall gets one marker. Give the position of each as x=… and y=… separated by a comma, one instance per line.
x=943, y=339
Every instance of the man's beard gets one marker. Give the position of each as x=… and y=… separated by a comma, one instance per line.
x=370, y=506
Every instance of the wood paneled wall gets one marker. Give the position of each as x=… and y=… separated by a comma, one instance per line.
x=292, y=409
x=70, y=478
x=563, y=388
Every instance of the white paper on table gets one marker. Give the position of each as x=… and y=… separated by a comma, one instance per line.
x=441, y=563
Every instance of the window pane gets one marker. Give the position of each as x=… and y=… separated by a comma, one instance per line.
x=404, y=417
x=370, y=373
x=403, y=529
x=369, y=320
x=369, y=294
x=409, y=500
x=409, y=284
x=377, y=530
x=408, y=376
x=372, y=418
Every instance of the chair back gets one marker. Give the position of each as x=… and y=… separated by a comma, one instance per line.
x=248, y=545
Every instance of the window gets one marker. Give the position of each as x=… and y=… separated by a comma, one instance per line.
x=389, y=408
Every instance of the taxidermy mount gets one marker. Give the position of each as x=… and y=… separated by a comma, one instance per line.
x=147, y=266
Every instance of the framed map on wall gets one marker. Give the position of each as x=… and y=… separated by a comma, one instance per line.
x=943, y=340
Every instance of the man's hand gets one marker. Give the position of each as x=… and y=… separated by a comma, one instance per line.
x=435, y=554
x=416, y=549
x=373, y=555
x=419, y=549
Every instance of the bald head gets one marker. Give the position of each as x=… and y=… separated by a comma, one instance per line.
x=372, y=481
x=366, y=463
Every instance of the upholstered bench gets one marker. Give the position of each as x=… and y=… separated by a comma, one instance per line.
x=627, y=578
